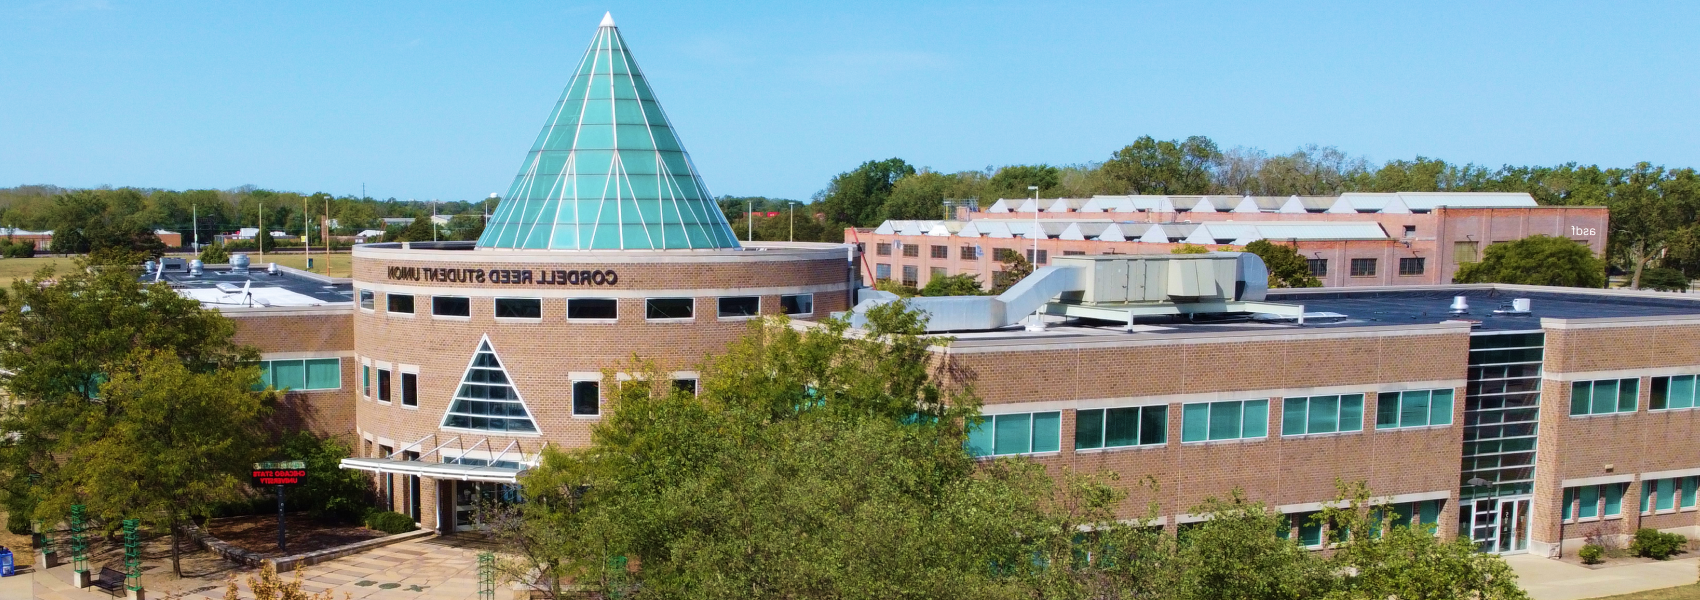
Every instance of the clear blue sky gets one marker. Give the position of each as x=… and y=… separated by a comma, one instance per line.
x=442, y=99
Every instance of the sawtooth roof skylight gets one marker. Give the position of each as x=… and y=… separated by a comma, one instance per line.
x=607, y=172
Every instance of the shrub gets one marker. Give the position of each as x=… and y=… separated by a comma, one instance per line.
x=389, y=521
x=214, y=254
x=18, y=523
x=1590, y=554
x=17, y=250
x=1656, y=544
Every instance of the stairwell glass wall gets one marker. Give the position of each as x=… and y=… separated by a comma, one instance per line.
x=1502, y=402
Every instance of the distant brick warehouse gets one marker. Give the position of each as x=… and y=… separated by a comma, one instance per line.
x=1350, y=240
x=1525, y=418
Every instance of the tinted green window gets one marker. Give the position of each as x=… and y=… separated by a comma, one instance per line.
x=289, y=374
x=1688, y=490
x=1414, y=408
x=1233, y=419
x=1047, y=432
x=1310, y=529
x=366, y=380
x=1017, y=434
x=1614, y=498
x=1088, y=429
x=1386, y=410
x=1195, y=422
x=1154, y=425
x=1569, y=500
x=1604, y=396
x=1014, y=434
x=1589, y=502
x=1667, y=494
x=1225, y=420
x=1121, y=427
x=980, y=439
x=1322, y=414
x=1115, y=427
x=1671, y=393
x=324, y=374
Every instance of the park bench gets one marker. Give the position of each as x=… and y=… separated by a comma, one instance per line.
x=111, y=580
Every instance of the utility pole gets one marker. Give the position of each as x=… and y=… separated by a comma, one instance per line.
x=793, y=204
x=259, y=237
x=750, y=216
x=433, y=219
x=195, y=224
x=307, y=233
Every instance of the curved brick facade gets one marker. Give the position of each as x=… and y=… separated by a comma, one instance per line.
x=543, y=356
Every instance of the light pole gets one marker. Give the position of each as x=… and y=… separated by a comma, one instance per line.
x=750, y=220
x=793, y=205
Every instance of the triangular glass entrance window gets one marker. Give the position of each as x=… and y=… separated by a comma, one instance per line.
x=486, y=399
x=607, y=172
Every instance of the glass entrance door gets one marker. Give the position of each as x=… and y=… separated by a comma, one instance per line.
x=1500, y=525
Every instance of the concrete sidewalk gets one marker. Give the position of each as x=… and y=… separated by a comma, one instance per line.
x=1547, y=579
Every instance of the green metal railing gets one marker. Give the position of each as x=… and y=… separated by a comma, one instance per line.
x=486, y=576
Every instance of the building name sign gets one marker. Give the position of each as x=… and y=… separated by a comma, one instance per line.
x=509, y=276
x=1574, y=230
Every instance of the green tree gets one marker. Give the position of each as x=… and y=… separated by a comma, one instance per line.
x=1149, y=166
x=329, y=491
x=1189, y=249
x=67, y=337
x=465, y=227
x=922, y=195
x=417, y=231
x=1286, y=268
x=1536, y=260
x=961, y=284
x=214, y=254
x=1664, y=280
x=857, y=198
x=1015, y=268
x=265, y=240
x=1382, y=560
x=174, y=442
x=1235, y=553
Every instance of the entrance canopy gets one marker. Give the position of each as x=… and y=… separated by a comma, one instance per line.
x=502, y=467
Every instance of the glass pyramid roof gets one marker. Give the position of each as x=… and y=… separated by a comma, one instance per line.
x=607, y=172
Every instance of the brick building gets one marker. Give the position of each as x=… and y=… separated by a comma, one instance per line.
x=1356, y=239
x=1518, y=416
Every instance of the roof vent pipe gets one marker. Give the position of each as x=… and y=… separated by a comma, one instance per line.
x=271, y=269
x=195, y=268
x=1460, y=306
x=1520, y=304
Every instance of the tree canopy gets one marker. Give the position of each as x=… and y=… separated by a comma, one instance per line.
x=1286, y=268
x=1536, y=260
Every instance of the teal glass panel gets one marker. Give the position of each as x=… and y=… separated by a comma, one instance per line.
x=1646, y=494
x=1352, y=412
x=572, y=193
x=1195, y=422
x=366, y=380
x=1324, y=414
x=980, y=438
x=265, y=375
x=1225, y=420
x=1293, y=415
x=1428, y=512
x=1088, y=429
x=1628, y=394
x=1667, y=494
x=1440, y=407
x=1154, y=425
x=324, y=374
x=1413, y=408
x=1387, y=410
x=1589, y=502
x=1047, y=431
x=1688, y=484
x=1605, y=397
x=1256, y=419
x=1658, y=394
x=289, y=374
x=1614, y=498
x=1310, y=529
x=1682, y=392
x=1401, y=514
x=1121, y=427
x=1581, y=398
x=1569, y=502
x=1013, y=435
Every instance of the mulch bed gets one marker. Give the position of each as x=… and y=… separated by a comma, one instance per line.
x=304, y=534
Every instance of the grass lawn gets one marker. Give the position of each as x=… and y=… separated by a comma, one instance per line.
x=19, y=268
x=1681, y=592
x=341, y=265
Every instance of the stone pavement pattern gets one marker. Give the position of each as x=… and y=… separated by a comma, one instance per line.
x=436, y=568
x=1547, y=579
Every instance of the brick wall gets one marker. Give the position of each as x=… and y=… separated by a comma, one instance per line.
x=313, y=331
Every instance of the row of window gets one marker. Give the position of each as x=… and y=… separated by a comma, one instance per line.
x=1207, y=421
x=1365, y=267
x=1308, y=525
x=302, y=374
x=966, y=252
x=1610, y=396
x=1606, y=500
x=407, y=393
x=592, y=309
x=1660, y=495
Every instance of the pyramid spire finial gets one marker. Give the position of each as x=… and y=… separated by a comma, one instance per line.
x=608, y=19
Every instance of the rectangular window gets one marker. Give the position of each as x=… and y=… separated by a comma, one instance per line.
x=368, y=299
x=451, y=306
x=410, y=389
x=383, y=385
x=1318, y=267
x=939, y=251
x=519, y=308
x=911, y=250
x=732, y=307
x=1322, y=414
x=1118, y=427
x=1229, y=420
x=882, y=272
x=1669, y=393
x=1043, y=255
x=1024, y=433
x=1309, y=526
x=911, y=275
x=936, y=272
x=1593, y=501
x=587, y=398
x=668, y=308
x=399, y=303
x=302, y=374
x=605, y=309
x=1411, y=266
x=1604, y=396
x=1363, y=267
x=797, y=304
x=1667, y=495
x=366, y=380
x=882, y=249
x=1074, y=253
x=1004, y=255
x=1410, y=231
x=969, y=253
x=688, y=386
x=1413, y=408
x=288, y=374
x=323, y=374
x=1464, y=252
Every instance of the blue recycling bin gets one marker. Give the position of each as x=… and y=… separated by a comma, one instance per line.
x=6, y=564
